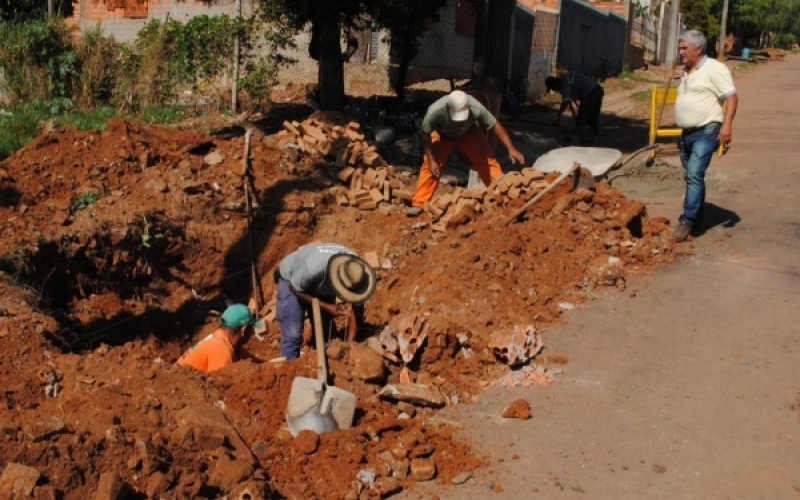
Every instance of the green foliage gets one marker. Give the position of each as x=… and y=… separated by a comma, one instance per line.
x=30, y=10
x=82, y=201
x=259, y=77
x=162, y=114
x=703, y=15
x=147, y=236
x=785, y=40
x=37, y=60
x=98, y=56
x=627, y=74
x=19, y=124
x=94, y=119
x=749, y=18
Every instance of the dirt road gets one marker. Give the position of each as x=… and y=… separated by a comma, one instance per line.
x=686, y=384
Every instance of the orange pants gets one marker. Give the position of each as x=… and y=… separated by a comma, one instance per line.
x=473, y=145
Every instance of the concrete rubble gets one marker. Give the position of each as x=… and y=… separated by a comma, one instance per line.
x=515, y=346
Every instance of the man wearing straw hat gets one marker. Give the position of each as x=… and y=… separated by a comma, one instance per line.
x=326, y=271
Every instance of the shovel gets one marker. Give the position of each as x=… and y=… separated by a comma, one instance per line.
x=313, y=404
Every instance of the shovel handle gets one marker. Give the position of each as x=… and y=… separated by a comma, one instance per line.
x=527, y=205
x=322, y=366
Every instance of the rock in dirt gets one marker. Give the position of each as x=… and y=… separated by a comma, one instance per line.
x=423, y=469
x=17, y=481
x=606, y=270
x=461, y=478
x=388, y=486
x=416, y=394
x=515, y=346
x=110, y=487
x=306, y=442
x=214, y=158
x=367, y=364
x=518, y=409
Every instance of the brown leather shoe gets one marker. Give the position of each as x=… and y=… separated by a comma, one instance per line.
x=681, y=232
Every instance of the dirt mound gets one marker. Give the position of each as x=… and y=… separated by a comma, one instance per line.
x=112, y=286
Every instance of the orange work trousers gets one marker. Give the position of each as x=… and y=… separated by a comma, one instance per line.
x=473, y=145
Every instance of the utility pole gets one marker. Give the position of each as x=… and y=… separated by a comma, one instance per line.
x=672, y=38
x=237, y=49
x=722, y=32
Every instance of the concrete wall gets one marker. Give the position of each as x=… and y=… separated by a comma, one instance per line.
x=446, y=49
x=543, y=51
x=124, y=18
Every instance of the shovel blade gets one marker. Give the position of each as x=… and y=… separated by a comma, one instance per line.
x=317, y=407
x=582, y=178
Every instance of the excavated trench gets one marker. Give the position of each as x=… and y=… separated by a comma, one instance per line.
x=117, y=290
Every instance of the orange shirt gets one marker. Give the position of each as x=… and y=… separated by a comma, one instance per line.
x=211, y=353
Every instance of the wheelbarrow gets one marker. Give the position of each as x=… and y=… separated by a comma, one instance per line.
x=598, y=161
x=585, y=164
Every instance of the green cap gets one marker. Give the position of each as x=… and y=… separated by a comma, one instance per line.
x=238, y=315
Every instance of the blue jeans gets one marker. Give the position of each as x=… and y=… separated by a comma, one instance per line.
x=290, y=314
x=696, y=147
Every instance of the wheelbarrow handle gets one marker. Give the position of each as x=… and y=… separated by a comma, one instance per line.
x=322, y=365
x=634, y=155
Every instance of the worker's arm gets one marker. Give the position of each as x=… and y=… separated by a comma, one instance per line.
x=564, y=105
x=308, y=299
x=726, y=130
x=427, y=147
x=513, y=153
x=355, y=321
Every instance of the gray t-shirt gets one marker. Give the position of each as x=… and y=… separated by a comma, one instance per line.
x=438, y=119
x=306, y=268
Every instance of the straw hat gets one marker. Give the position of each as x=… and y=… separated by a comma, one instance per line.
x=352, y=278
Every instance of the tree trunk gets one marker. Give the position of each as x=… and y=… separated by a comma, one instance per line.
x=331, y=63
x=408, y=51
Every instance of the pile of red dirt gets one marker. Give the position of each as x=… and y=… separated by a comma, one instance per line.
x=103, y=291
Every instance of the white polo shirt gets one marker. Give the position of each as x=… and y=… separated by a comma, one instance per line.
x=701, y=94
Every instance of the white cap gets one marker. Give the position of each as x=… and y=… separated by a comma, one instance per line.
x=458, y=106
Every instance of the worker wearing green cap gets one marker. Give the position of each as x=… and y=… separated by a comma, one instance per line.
x=225, y=345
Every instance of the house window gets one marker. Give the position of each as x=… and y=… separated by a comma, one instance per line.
x=373, y=43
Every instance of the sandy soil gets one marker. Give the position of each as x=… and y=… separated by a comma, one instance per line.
x=98, y=302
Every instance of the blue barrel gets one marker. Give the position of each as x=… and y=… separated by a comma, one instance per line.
x=746, y=53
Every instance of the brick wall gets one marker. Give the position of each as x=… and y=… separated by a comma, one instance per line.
x=544, y=31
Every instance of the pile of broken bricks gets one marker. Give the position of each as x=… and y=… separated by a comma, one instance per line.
x=369, y=183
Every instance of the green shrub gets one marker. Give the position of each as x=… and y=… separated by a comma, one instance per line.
x=82, y=201
x=37, y=60
x=784, y=40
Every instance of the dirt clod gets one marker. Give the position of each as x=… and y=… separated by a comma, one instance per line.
x=518, y=409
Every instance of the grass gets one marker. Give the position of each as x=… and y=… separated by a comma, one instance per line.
x=20, y=124
x=642, y=95
x=627, y=74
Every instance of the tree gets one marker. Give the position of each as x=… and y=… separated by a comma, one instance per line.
x=702, y=15
x=327, y=20
x=407, y=20
x=29, y=10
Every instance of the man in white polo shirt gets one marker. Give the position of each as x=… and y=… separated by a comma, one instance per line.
x=706, y=84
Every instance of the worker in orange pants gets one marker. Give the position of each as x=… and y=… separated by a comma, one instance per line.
x=458, y=121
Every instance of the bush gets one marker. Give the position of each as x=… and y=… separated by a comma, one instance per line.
x=784, y=40
x=37, y=60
